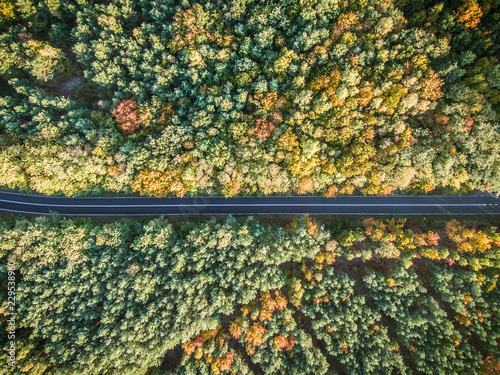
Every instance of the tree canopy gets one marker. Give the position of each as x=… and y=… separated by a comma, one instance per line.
x=243, y=297
x=249, y=97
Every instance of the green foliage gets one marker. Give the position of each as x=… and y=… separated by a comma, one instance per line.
x=432, y=341
x=290, y=97
x=350, y=329
x=239, y=296
x=463, y=290
x=181, y=280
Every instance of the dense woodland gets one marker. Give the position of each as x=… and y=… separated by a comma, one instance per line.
x=230, y=97
x=241, y=296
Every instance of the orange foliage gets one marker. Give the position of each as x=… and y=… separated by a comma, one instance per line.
x=232, y=188
x=426, y=239
x=190, y=346
x=365, y=95
x=375, y=229
x=219, y=363
x=432, y=239
x=7, y=9
x=312, y=226
x=469, y=14
x=281, y=302
x=305, y=186
x=331, y=191
x=235, y=329
x=222, y=363
x=469, y=122
x=375, y=328
x=344, y=347
x=323, y=299
x=391, y=283
x=116, y=170
x=269, y=305
x=327, y=256
x=347, y=188
x=281, y=342
x=253, y=337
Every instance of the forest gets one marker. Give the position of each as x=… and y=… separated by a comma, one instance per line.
x=249, y=97
x=241, y=98
x=248, y=296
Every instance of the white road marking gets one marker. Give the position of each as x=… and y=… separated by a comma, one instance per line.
x=258, y=213
x=255, y=204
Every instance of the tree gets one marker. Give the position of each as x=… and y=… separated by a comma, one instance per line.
x=469, y=14
x=126, y=116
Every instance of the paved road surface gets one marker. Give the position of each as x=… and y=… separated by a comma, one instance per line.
x=354, y=205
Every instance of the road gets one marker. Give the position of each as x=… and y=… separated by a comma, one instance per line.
x=353, y=205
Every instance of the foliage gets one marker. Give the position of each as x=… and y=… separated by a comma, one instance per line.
x=240, y=296
x=431, y=340
x=247, y=98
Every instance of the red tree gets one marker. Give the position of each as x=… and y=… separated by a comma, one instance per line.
x=264, y=128
x=126, y=116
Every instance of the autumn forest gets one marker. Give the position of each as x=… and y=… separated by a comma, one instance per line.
x=250, y=98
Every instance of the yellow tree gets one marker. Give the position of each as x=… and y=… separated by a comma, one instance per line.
x=469, y=14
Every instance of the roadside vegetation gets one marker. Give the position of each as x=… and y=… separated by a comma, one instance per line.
x=238, y=296
x=245, y=97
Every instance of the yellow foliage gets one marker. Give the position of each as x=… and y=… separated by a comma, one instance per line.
x=267, y=100
x=346, y=21
x=469, y=14
x=467, y=240
x=431, y=84
x=159, y=184
x=302, y=167
x=254, y=337
x=365, y=95
x=98, y=151
x=7, y=9
x=288, y=141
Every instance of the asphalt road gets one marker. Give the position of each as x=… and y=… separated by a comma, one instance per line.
x=353, y=205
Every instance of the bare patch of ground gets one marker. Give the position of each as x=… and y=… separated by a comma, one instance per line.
x=68, y=86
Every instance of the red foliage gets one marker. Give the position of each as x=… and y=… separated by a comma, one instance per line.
x=264, y=128
x=126, y=116
x=469, y=122
x=432, y=239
